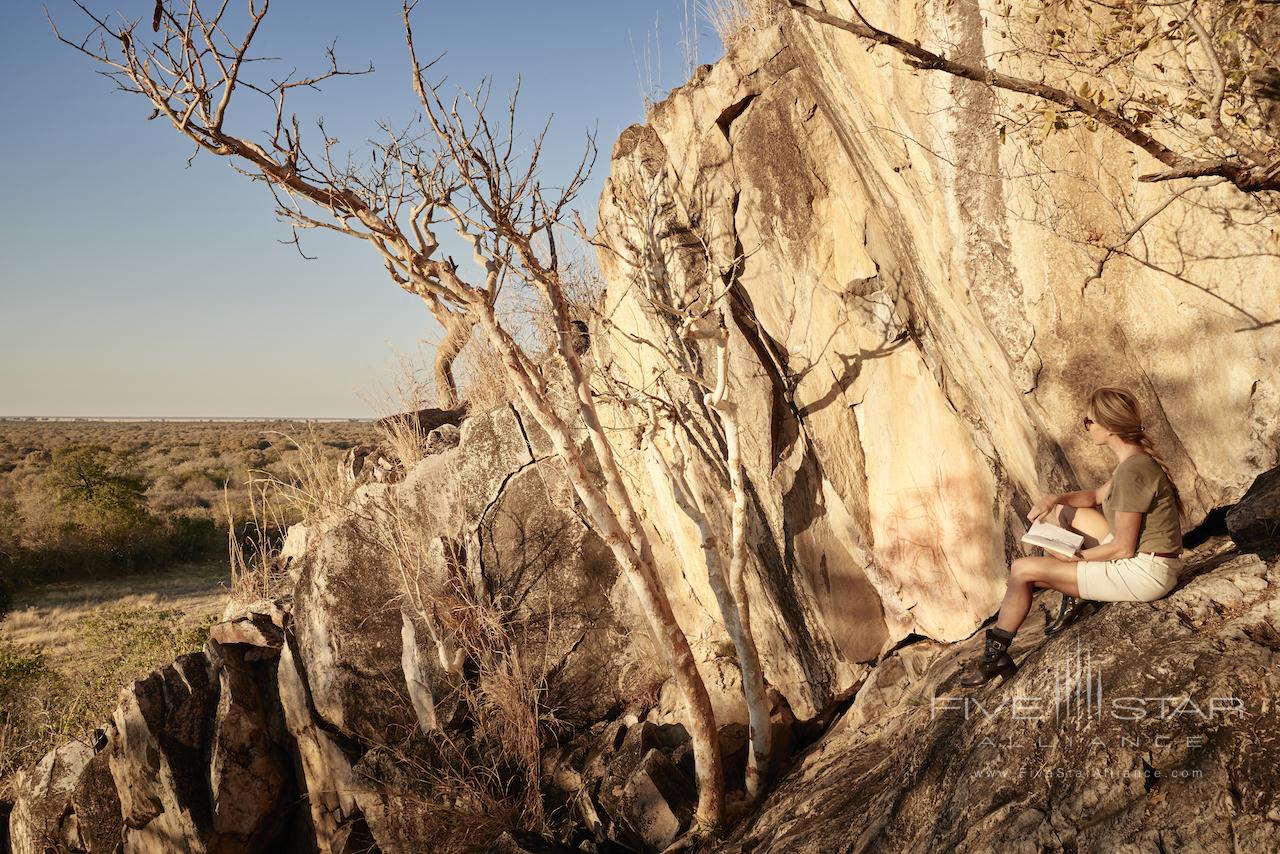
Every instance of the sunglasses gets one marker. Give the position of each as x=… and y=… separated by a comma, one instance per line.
x=1088, y=422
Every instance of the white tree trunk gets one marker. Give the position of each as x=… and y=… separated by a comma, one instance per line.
x=738, y=620
x=631, y=548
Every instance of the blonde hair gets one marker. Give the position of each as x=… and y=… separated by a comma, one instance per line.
x=1117, y=410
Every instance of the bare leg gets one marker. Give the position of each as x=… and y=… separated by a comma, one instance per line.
x=1024, y=576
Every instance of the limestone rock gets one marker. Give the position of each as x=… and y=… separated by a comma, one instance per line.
x=423, y=421
x=250, y=774
x=41, y=793
x=442, y=438
x=157, y=754
x=258, y=629
x=327, y=777
x=912, y=346
x=658, y=800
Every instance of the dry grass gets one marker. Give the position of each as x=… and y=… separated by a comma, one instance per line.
x=482, y=378
x=403, y=439
x=192, y=471
x=188, y=464
x=46, y=618
x=488, y=781
x=732, y=19
x=309, y=480
x=253, y=545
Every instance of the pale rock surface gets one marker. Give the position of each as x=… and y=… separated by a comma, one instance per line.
x=41, y=792
x=913, y=342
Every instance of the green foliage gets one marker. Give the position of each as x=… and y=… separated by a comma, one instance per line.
x=80, y=498
x=1194, y=75
x=140, y=638
x=94, y=480
x=19, y=668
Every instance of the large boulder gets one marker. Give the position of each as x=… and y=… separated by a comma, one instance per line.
x=1254, y=522
x=40, y=815
x=196, y=757
x=1149, y=726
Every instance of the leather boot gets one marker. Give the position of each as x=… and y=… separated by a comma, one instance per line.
x=1071, y=610
x=995, y=661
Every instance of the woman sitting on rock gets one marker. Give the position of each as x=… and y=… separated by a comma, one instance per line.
x=1131, y=551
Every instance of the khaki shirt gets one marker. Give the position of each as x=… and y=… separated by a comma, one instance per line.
x=1139, y=484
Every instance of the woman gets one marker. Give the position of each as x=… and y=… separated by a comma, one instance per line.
x=1131, y=551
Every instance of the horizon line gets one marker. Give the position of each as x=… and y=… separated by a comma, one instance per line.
x=184, y=418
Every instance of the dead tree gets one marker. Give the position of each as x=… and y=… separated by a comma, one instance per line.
x=462, y=173
x=190, y=72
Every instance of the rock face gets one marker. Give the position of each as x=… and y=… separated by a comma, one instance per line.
x=911, y=342
x=1145, y=727
x=195, y=758
x=913, y=339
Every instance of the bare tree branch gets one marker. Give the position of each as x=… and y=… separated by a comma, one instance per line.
x=1249, y=175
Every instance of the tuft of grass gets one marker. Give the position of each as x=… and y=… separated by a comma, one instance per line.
x=485, y=385
x=733, y=19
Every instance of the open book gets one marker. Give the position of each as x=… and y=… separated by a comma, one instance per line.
x=1052, y=538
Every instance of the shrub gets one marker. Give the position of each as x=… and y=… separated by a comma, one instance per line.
x=140, y=638
x=18, y=668
x=41, y=707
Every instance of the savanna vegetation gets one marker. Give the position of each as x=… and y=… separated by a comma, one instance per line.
x=114, y=552
x=84, y=498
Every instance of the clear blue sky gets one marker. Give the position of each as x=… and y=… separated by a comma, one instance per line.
x=132, y=285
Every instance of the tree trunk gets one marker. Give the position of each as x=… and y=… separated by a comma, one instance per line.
x=631, y=548
x=761, y=733
x=457, y=332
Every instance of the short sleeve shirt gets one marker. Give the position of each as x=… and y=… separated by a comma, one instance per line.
x=1140, y=484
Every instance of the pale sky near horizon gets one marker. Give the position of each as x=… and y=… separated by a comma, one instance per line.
x=132, y=285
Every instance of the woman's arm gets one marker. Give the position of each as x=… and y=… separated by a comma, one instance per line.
x=1079, y=498
x=1125, y=543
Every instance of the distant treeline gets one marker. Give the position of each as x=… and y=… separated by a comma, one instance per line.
x=83, y=497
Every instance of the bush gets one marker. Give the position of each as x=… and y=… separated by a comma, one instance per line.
x=41, y=707
x=140, y=638
x=31, y=695
x=18, y=669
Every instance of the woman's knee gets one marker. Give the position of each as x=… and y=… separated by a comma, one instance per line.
x=1022, y=570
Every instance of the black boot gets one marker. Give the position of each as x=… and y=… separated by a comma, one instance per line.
x=995, y=661
x=1071, y=610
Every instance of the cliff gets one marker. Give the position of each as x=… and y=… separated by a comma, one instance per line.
x=915, y=335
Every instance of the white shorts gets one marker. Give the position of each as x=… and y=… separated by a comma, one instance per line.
x=1141, y=578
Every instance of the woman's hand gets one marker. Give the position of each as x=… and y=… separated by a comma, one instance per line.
x=1042, y=507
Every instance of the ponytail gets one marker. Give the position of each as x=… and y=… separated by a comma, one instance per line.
x=1145, y=441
